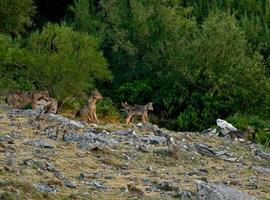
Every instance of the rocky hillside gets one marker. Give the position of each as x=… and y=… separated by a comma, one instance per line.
x=51, y=157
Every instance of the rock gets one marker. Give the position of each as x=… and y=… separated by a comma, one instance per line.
x=110, y=177
x=262, y=170
x=59, y=175
x=209, y=132
x=7, y=139
x=167, y=186
x=149, y=168
x=11, y=161
x=99, y=186
x=129, y=132
x=143, y=148
x=185, y=195
x=146, y=126
x=230, y=159
x=27, y=112
x=160, y=132
x=208, y=191
x=225, y=155
x=69, y=184
x=263, y=155
x=204, y=150
x=234, y=182
x=66, y=121
x=253, y=183
x=40, y=164
x=225, y=127
x=126, y=157
x=45, y=188
x=153, y=139
x=40, y=143
x=82, y=176
x=89, y=140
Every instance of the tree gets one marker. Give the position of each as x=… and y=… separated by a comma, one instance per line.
x=15, y=16
x=63, y=61
x=223, y=78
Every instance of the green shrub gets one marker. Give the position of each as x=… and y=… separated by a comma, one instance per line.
x=107, y=111
x=261, y=127
x=64, y=62
x=135, y=92
x=15, y=16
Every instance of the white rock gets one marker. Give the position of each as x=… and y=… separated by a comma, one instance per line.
x=225, y=127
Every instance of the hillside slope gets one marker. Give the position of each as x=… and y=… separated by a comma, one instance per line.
x=50, y=157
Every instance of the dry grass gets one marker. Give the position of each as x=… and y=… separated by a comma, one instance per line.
x=183, y=170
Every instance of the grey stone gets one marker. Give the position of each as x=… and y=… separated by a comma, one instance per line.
x=26, y=112
x=143, y=148
x=66, y=121
x=209, y=132
x=7, y=139
x=40, y=164
x=149, y=168
x=89, y=140
x=208, y=191
x=69, y=184
x=204, y=150
x=263, y=155
x=40, y=143
x=167, y=186
x=153, y=139
x=262, y=170
x=110, y=177
x=185, y=195
x=129, y=132
x=45, y=188
x=98, y=186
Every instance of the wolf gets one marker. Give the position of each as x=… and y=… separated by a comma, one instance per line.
x=52, y=106
x=20, y=99
x=172, y=145
x=137, y=110
x=88, y=111
x=247, y=133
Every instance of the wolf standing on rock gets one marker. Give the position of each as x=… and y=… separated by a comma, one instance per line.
x=88, y=111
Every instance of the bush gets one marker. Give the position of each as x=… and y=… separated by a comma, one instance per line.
x=63, y=61
x=136, y=92
x=107, y=110
x=11, y=67
x=261, y=127
x=15, y=16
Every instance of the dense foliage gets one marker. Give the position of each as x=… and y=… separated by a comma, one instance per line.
x=15, y=16
x=197, y=60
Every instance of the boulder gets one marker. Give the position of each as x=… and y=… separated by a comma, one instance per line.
x=263, y=155
x=208, y=191
x=204, y=150
x=40, y=143
x=45, y=188
x=262, y=170
x=66, y=121
x=225, y=127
